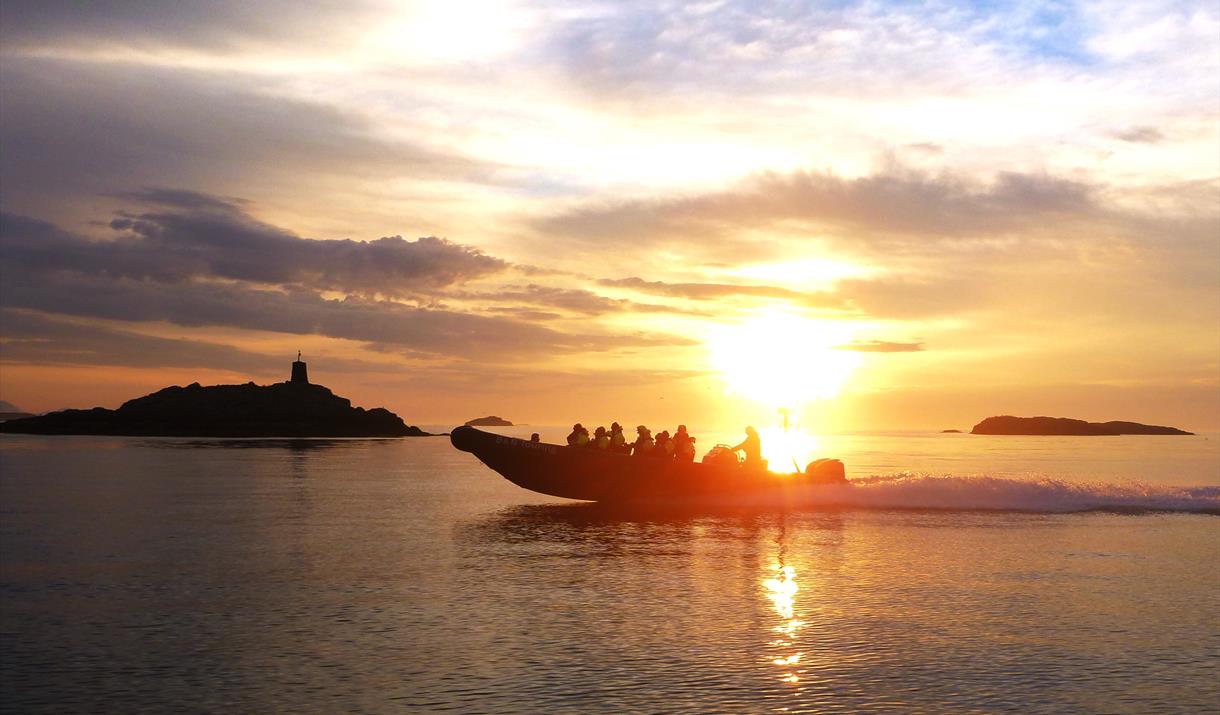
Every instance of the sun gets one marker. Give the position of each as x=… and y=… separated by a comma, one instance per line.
x=779, y=359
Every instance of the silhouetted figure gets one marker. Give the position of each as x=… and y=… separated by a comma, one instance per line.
x=665, y=446
x=601, y=439
x=684, y=445
x=535, y=438
x=751, y=446
x=579, y=437
x=618, y=441
x=643, y=445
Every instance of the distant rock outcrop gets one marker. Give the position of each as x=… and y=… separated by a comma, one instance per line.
x=1063, y=426
x=285, y=409
x=950, y=431
x=489, y=421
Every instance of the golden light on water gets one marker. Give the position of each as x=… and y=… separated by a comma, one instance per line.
x=781, y=589
x=780, y=359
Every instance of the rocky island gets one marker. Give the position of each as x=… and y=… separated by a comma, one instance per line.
x=489, y=421
x=287, y=409
x=1063, y=426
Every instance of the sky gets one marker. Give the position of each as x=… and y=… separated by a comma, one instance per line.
x=878, y=215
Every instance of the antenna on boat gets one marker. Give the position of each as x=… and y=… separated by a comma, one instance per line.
x=784, y=411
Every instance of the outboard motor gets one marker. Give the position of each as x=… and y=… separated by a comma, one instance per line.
x=826, y=471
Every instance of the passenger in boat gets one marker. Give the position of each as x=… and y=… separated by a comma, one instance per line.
x=751, y=446
x=684, y=445
x=601, y=439
x=643, y=444
x=535, y=438
x=618, y=441
x=579, y=436
x=665, y=446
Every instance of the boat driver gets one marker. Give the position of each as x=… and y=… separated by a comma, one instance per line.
x=751, y=446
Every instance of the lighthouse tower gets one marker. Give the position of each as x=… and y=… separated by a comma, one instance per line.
x=299, y=375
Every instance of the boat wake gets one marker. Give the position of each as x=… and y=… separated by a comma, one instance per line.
x=1045, y=495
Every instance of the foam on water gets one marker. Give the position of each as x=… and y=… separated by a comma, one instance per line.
x=1044, y=494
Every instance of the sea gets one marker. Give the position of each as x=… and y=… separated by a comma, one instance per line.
x=957, y=574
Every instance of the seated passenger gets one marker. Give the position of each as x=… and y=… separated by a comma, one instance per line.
x=684, y=445
x=574, y=435
x=535, y=438
x=665, y=446
x=618, y=442
x=601, y=439
x=643, y=444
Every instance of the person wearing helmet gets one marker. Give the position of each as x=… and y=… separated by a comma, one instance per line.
x=665, y=446
x=684, y=445
x=618, y=442
x=642, y=447
x=579, y=436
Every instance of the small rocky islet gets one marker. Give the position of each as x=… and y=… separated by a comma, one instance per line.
x=1064, y=426
x=295, y=408
x=489, y=421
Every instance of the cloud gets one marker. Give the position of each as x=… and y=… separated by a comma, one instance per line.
x=882, y=346
x=762, y=47
x=570, y=299
x=183, y=199
x=37, y=339
x=949, y=245
x=215, y=25
x=213, y=238
x=386, y=325
x=946, y=242
x=712, y=291
x=746, y=48
x=211, y=265
x=1140, y=135
x=72, y=130
x=574, y=300
x=528, y=314
x=895, y=204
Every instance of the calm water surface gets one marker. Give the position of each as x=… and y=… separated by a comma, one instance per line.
x=402, y=576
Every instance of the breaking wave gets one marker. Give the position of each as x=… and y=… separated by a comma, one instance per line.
x=1048, y=495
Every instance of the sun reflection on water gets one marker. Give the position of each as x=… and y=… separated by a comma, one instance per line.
x=780, y=588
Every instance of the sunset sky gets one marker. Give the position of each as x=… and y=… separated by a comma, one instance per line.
x=881, y=215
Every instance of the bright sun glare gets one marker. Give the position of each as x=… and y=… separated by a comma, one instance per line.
x=783, y=360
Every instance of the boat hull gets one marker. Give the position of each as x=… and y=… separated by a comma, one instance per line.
x=595, y=475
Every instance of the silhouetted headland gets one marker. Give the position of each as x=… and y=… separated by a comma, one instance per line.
x=286, y=409
x=489, y=421
x=950, y=431
x=1063, y=426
